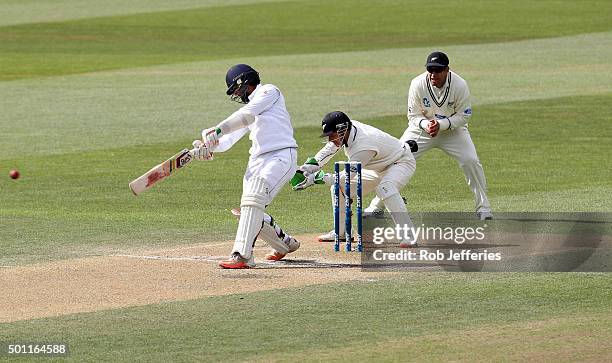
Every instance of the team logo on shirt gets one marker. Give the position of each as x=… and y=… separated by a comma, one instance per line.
x=468, y=111
x=426, y=102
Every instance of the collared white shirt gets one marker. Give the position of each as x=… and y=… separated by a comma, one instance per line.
x=271, y=130
x=374, y=148
x=450, y=104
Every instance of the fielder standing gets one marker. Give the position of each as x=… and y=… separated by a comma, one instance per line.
x=387, y=166
x=272, y=162
x=438, y=112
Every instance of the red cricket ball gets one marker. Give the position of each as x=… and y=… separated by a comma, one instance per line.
x=14, y=174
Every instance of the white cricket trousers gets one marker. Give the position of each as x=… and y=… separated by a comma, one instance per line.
x=265, y=176
x=458, y=144
x=275, y=167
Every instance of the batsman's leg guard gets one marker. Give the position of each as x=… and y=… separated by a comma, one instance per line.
x=248, y=228
x=394, y=203
x=255, y=197
x=274, y=235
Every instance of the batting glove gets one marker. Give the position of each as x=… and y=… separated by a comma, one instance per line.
x=211, y=137
x=200, y=151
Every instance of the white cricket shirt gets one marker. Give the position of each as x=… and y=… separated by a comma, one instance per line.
x=375, y=148
x=450, y=104
x=272, y=129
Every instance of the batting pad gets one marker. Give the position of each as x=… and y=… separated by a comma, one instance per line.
x=248, y=228
x=272, y=234
x=256, y=193
x=255, y=197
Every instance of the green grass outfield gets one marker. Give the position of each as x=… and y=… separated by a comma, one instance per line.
x=93, y=95
x=416, y=317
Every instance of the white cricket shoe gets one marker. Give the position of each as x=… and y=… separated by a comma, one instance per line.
x=329, y=237
x=373, y=212
x=484, y=215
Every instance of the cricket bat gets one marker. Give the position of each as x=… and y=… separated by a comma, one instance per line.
x=161, y=171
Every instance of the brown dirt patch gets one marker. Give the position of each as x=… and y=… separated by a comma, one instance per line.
x=147, y=277
x=142, y=277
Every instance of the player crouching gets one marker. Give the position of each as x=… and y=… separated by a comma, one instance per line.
x=387, y=166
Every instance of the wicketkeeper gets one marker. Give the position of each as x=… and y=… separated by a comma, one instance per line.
x=272, y=163
x=387, y=166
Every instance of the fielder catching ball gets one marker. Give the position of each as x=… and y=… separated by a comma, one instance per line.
x=438, y=112
x=387, y=166
x=272, y=161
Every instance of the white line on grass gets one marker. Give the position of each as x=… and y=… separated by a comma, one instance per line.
x=260, y=263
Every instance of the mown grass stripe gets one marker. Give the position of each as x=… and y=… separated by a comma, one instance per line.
x=296, y=27
x=322, y=318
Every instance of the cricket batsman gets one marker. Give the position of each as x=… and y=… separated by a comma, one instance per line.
x=438, y=113
x=387, y=166
x=272, y=161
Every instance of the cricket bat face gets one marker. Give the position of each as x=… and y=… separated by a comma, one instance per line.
x=161, y=171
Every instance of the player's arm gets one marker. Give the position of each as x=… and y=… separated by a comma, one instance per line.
x=463, y=111
x=315, y=163
x=242, y=118
x=302, y=180
x=326, y=153
x=228, y=140
x=363, y=156
x=415, y=107
x=236, y=121
x=202, y=152
x=310, y=172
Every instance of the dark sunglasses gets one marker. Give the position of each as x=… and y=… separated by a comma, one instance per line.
x=435, y=69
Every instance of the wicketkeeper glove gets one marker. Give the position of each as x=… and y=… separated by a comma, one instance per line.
x=311, y=166
x=302, y=181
